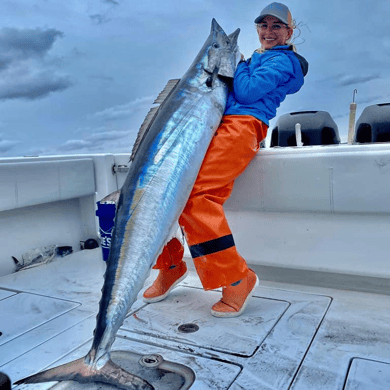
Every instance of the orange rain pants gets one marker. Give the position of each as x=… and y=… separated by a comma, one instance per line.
x=203, y=220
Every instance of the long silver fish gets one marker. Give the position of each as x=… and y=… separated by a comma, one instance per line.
x=166, y=159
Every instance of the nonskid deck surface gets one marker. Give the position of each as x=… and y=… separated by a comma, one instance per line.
x=290, y=337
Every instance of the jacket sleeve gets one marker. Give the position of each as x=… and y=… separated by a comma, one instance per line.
x=249, y=88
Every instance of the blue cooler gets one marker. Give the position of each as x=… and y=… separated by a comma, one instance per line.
x=106, y=215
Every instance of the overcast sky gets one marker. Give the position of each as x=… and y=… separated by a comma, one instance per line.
x=78, y=76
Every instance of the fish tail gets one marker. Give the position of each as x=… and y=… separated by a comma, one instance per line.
x=80, y=371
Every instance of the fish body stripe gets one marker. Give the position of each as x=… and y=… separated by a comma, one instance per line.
x=212, y=246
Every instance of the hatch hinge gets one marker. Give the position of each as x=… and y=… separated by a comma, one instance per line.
x=121, y=168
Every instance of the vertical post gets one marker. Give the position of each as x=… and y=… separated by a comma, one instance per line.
x=298, y=134
x=352, y=115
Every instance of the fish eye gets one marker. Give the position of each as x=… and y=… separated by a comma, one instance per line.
x=216, y=45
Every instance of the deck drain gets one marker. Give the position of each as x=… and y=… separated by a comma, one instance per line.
x=188, y=328
x=151, y=361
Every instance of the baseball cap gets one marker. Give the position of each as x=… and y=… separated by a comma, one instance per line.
x=278, y=10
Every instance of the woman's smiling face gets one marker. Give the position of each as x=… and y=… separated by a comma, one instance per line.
x=272, y=32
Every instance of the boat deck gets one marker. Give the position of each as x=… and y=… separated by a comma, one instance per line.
x=291, y=336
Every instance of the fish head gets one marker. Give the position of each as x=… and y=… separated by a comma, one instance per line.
x=223, y=52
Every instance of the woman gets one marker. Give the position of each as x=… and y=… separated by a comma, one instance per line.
x=259, y=85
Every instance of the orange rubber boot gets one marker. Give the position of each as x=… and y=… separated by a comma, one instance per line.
x=165, y=282
x=235, y=298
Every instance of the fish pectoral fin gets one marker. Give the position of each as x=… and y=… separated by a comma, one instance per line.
x=80, y=371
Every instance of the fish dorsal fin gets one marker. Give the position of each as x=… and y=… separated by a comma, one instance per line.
x=171, y=84
x=143, y=130
x=151, y=115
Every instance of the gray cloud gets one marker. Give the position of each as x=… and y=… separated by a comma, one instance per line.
x=33, y=86
x=110, y=132
x=102, y=18
x=373, y=99
x=95, y=141
x=6, y=145
x=339, y=116
x=26, y=69
x=346, y=80
x=102, y=78
x=75, y=144
x=16, y=45
x=124, y=111
x=99, y=19
x=107, y=136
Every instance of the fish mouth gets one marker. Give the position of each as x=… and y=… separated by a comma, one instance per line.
x=213, y=76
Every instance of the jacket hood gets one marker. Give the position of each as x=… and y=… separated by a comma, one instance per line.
x=300, y=65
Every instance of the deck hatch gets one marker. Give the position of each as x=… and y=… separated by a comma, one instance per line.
x=27, y=311
x=238, y=336
x=366, y=374
x=6, y=294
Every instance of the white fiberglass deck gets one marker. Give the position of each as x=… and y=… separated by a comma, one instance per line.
x=290, y=336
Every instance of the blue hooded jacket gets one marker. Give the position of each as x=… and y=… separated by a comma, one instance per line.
x=262, y=82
